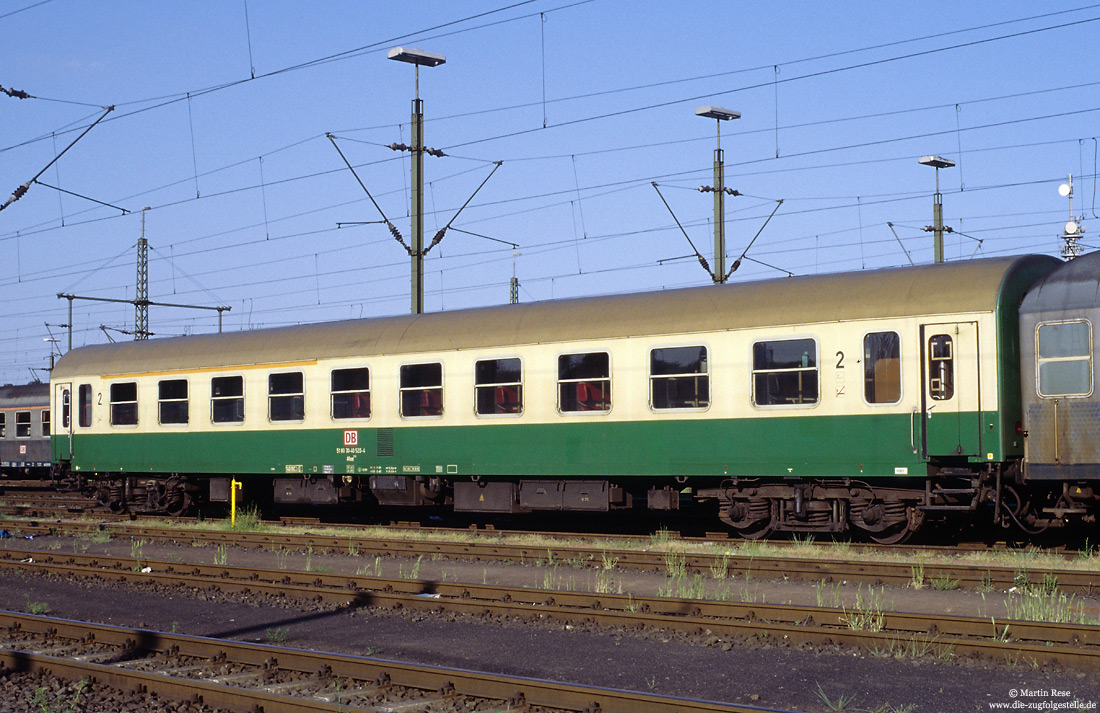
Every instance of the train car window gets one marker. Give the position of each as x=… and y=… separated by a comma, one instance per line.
x=84, y=405
x=1065, y=358
x=3, y=425
x=45, y=422
x=65, y=405
x=172, y=401
x=421, y=390
x=22, y=424
x=124, y=404
x=784, y=373
x=351, y=393
x=498, y=387
x=286, y=396
x=584, y=382
x=227, y=399
x=679, y=378
x=882, y=368
x=941, y=367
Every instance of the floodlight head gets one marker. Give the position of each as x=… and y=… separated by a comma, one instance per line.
x=415, y=56
x=717, y=112
x=935, y=161
x=1065, y=190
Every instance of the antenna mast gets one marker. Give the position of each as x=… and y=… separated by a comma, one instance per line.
x=1073, y=230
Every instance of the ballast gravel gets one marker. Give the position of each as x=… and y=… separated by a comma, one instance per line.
x=771, y=674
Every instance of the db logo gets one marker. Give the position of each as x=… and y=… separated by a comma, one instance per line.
x=351, y=438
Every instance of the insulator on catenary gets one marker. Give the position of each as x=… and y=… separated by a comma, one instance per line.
x=19, y=193
x=16, y=93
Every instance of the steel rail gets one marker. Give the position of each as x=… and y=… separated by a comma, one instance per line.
x=814, y=569
x=135, y=646
x=1066, y=644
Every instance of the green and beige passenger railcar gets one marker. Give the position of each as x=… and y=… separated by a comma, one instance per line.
x=810, y=403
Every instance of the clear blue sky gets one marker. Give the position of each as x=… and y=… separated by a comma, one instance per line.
x=220, y=121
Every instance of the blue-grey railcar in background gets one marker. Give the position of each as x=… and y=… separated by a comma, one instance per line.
x=1061, y=405
x=25, y=430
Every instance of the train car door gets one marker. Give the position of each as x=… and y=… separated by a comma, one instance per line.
x=62, y=443
x=951, y=396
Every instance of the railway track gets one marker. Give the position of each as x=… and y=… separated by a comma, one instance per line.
x=1071, y=645
x=251, y=677
x=33, y=500
x=812, y=568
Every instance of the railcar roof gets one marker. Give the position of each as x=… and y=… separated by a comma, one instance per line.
x=24, y=395
x=948, y=288
x=1075, y=285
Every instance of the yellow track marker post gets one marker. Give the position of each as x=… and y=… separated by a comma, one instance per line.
x=234, y=486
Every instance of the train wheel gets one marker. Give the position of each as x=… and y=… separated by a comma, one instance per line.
x=178, y=504
x=901, y=532
x=752, y=519
x=894, y=536
x=757, y=533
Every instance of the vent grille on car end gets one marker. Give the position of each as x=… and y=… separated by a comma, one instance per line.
x=385, y=442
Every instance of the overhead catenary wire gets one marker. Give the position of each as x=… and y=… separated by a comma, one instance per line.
x=809, y=152
x=24, y=9
x=907, y=256
x=22, y=190
x=884, y=200
x=389, y=224
x=168, y=99
x=698, y=255
x=186, y=95
x=980, y=100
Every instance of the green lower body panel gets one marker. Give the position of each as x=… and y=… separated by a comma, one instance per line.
x=801, y=446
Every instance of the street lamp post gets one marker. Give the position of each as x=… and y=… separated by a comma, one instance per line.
x=937, y=162
x=418, y=58
x=719, y=115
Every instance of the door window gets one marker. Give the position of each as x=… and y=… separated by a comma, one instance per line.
x=941, y=367
x=1065, y=359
